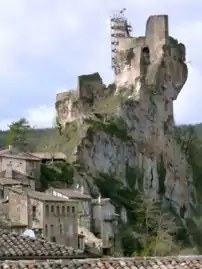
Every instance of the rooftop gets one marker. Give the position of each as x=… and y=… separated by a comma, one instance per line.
x=10, y=181
x=70, y=193
x=49, y=156
x=194, y=262
x=16, y=175
x=39, y=195
x=16, y=246
x=10, y=153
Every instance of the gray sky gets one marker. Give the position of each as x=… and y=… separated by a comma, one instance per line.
x=46, y=44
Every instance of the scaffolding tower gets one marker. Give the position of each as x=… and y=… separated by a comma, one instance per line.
x=119, y=29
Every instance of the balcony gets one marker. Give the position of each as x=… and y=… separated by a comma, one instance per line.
x=110, y=217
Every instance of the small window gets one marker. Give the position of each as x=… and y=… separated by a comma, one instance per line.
x=46, y=230
x=47, y=210
x=33, y=212
x=53, y=239
x=73, y=209
x=63, y=210
x=52, y=229
x=68, y=209
x=52, y=209
x=60, y=228
x=58, y=210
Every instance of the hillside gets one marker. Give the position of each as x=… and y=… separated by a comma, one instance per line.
x=48, y=139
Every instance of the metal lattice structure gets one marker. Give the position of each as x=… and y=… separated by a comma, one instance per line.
x=119, y=29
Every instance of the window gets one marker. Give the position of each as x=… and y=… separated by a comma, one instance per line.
x=52, y=209
x=60, y=228
x=63, y=210
x=68, y=209
x=46, y=230
x=53, y=239
x=58, y=210
x=73, y=209
x=34, y=212
x=52, y=229
x=47, y=210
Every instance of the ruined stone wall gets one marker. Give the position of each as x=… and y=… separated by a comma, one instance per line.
x=73, y=104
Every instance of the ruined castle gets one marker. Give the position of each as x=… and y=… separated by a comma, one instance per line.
x=150, y=72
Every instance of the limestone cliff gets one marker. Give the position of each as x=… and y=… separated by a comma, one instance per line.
x=129, y=125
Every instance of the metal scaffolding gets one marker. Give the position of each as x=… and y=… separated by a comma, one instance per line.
x=119, y=29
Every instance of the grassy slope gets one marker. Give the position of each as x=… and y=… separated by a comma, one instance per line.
x=49, y=139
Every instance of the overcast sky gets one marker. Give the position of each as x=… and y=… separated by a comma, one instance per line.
x=46, y=44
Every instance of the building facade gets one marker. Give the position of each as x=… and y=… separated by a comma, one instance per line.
x=83, y=204
x=22, y=162
x=105, y=222
x=52, y=217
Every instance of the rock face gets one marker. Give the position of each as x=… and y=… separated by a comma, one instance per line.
x=130, y=124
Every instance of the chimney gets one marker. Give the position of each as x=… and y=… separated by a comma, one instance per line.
x=9, y=171
x=99, y=199
x=10, y=147
x=82, y=189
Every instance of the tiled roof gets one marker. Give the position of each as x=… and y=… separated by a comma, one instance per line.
x=118, y=263
x=49, y=156
x=7, y=153
x=15, y=245
x=38, y=195
x=10, y=181
x=72, y=193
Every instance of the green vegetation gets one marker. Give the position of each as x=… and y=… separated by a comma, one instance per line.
x=17, y=134
x=115, y=189
x=108, y=105
x=154, y=228
x=115, y=127
x=55, y=174
x=189, y=138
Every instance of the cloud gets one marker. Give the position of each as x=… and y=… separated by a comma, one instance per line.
x=189, y=101
x=32, y=28
x=39, y=117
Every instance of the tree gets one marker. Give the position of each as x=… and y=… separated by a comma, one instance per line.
x=18, y=134
x=154, y=228
x=57, y=173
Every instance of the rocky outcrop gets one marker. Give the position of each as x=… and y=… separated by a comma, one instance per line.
x=130, y=125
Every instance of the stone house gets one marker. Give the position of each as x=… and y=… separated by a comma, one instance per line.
x=105, y=222
x=6, y=184
x=20, y=161
x=84, y=204
x=52, y=217
x=11, y=177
